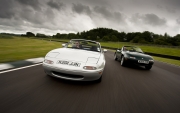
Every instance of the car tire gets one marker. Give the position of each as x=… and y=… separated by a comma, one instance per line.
x=122, y=61
x=115, y=57
x=148, y=67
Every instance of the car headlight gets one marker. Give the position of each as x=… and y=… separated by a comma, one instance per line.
x=48, y=61
x=132, y=57
x=151, y=60
x=89, y=68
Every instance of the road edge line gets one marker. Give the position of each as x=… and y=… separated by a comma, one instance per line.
x=20, y=68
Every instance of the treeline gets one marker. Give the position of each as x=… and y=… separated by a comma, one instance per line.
x=106, y=34
x=8, y=35
x=40, y=35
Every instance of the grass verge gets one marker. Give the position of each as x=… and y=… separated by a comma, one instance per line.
x=19, y=48
x=23, y=48
x=165, y=50
x=169, y=61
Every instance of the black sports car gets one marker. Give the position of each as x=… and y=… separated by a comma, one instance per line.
x=133, y=55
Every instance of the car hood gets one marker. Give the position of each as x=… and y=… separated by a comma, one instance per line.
x=139, y=55
x=76, y=55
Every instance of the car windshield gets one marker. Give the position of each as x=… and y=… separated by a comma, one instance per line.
x=84, y=45
x=132, y=49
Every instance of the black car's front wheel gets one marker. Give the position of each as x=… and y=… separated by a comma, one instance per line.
x=122, y=61
x=115, y=57
x=148, y=67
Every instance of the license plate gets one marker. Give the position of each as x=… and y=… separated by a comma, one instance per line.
x=142, y=61
x=69, y=63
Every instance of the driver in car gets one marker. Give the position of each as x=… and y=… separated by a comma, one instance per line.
x=78, y=45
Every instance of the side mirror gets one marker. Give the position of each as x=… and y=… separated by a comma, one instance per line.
x=118, y=50
x=105, y=50
x=63, y=45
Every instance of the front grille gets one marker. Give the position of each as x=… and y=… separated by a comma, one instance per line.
x=67, y=75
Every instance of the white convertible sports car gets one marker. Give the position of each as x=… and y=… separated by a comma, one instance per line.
x=79, y=60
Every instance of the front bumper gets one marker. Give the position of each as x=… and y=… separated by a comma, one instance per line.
x=76, y=75
x=135, y=61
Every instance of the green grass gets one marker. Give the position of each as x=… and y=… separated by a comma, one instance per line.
x=169, y=61
x=146, y=48
x=20, y=48
x=23, y=48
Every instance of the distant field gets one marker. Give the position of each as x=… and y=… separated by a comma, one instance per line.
x=145, y=48
x=13, y=49
x=19, y=48
x=152, y=49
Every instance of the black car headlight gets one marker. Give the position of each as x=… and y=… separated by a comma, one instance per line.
x=132, y=57
x=151, y=60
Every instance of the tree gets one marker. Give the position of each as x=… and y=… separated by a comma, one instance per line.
x=72, y=36
x=114, y=38
x=58, y=35
x=161, y=41
x=30, y=34
x=122, y=37
x=105, y=38
x=135, y=40
x=147, y=36
x=41, y=35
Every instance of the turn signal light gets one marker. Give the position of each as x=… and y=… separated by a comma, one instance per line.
x=48, y=61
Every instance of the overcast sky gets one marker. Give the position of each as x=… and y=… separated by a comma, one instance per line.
x=65, y=16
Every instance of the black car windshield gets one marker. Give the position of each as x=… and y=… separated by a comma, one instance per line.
x=84, y=45
x=132, y=49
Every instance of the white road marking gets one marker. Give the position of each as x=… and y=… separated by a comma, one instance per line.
x=35, y=60
x=5, y=66
x=20, y=68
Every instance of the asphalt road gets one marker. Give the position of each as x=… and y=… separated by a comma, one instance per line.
x=122, y=90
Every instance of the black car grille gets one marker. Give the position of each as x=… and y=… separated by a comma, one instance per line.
x=67, y=75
